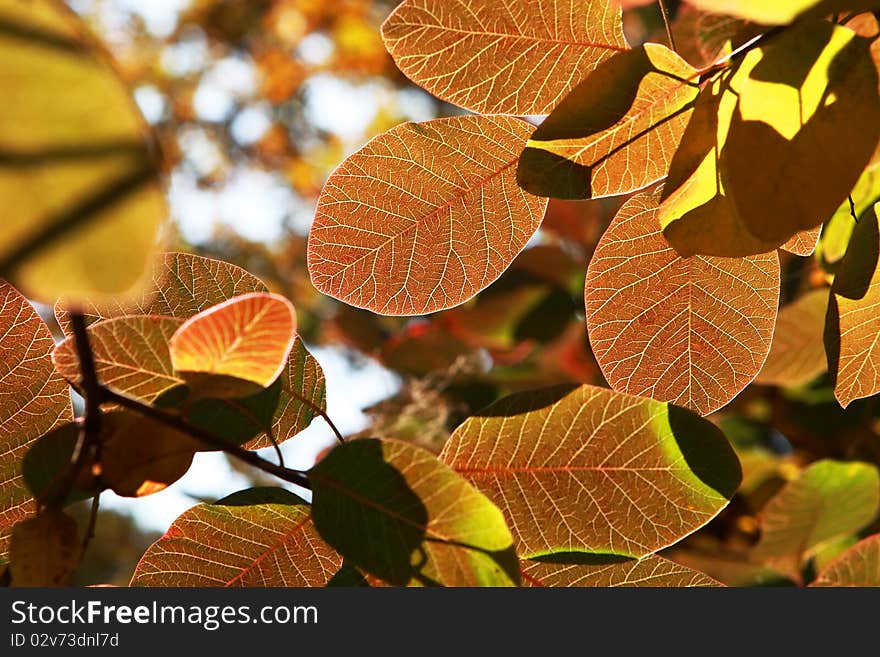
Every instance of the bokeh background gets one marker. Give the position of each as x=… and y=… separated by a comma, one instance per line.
x=253, y=103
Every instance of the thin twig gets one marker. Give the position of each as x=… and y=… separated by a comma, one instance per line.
x=852, y=208
x=297, y=477
x=664, y=10
x=318, y=411
x=93, y=521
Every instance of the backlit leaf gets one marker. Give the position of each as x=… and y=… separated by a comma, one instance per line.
x=839, y=229
x=34, y=399
x=827, y=500
x=780, y=12
x=48, y=460
x=424, y=216
x=616, y=131
x=140, y=456
x=803, y=243
x=75, y=161
x=502, y=56
x=797, y=355
x=44, y=550
x=181, y=285
x=131, y=355
x=258, y=537
x=398, y=513
x=651, y=571
x=852, y=325
x=247, y=339
x=690, y=331
x=784, y=102
x=858, y=566
x=591, y=470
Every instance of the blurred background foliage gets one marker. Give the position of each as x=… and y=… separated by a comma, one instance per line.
x=254, y=102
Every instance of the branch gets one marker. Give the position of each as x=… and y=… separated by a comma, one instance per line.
x=297, y=477
x=664, y=10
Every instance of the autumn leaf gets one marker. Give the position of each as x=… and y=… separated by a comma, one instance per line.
x=598, y=571
x=245, y=340
x=804, y=242
x=44, y=550
x=258, y=537
x=591, y=470
x=76, y=162
x=782, y=102
x=858, y=566
x=424, y=216
x=690, y=331
x=398, y=513
x=502, y=56
x=827, y=500
x=852, y=325
x=131, y=355
x=797, y=355
x=838, y=230
x=616, y=131
x=34, y=400
x=781, y=12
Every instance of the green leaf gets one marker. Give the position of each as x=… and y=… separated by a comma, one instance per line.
x=807, y=102
x=34, y=399
x=858, y=566
x=839, y=229
x=76, y=161
x=131, y=355
x=398, y=513
x=591, y=470
x=48, y=459
x=827, y=500
x=604, y=571
x=257, y=537
x=616, y=131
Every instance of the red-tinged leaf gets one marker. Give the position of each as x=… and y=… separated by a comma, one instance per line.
x=44, y=550
x=797, y=355
x=650, y=571
x=616, y=131
x=502, y=56
x=140, y=456
x=804, y=242
x=248, y=339
x=858, y=566
x=131, y=355
x=34, y=399
x=690, y=331
x=853, y=323
x=396, y=512
x=258, y=537
x=591, y=470
x=828, y=500
x=181, y=286
x=424, y=216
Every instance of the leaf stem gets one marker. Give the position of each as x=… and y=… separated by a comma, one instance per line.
x=318, y=411
x=297, y=477
x=93, y=521
x=664, y=11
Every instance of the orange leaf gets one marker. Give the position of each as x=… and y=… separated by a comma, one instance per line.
x=502, y=56
x=247, y=339
x=424, y=216
x=804, y=242
x=691, y=331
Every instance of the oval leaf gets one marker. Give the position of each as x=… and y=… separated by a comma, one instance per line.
x=498, y=56
x=35, y=399
x=853, y=323
x=781, y=12
x=76, y=162
x=690, y=331
x=803, y=243
x=247, y=338
x=858, y=566
x=827, y=500
x=424, y=216
x=259, y=537
x=797, y=355
x=44, y=550
x=651, y=571
x=131, y=355
x=395, y=511
x=616, y=131
x=592, y=470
